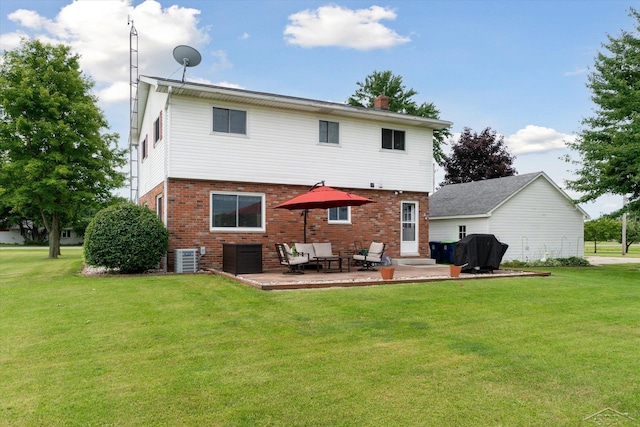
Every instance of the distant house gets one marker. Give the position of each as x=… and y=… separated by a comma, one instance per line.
x=12, y=236
x=206, y=153
x=528, y=212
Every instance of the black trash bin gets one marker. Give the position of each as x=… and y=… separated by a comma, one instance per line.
x=447, y=249
x=435, y=248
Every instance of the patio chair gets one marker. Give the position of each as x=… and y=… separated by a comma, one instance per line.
x=307, y=250
x=357, y=251
x=371, y=257
x=295, y=264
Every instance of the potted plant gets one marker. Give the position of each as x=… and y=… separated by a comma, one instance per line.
x=387, y=272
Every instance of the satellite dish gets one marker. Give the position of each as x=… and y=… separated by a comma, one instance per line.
x=187, y=56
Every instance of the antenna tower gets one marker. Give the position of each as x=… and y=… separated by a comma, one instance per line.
x=133, y=113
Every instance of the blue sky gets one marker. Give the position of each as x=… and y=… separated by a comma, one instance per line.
x=519, y=67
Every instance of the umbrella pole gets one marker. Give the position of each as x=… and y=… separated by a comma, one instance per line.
x=305, y=225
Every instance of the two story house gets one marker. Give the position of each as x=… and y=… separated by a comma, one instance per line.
x=213, y=162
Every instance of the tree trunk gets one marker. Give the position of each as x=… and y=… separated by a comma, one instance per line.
x=53, y=227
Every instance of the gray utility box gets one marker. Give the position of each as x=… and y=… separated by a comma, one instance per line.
x=186, y=260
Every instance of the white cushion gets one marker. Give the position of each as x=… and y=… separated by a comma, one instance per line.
x=295, y=260
x=375, y=250
x=323, y=250
x=298, y=260
x=373, y=255
x=306, y=249
x=367, y=258
x=287, y=249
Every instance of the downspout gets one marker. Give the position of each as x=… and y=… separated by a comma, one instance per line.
x=165, y=190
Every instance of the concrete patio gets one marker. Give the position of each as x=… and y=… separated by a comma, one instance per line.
x=274, y=279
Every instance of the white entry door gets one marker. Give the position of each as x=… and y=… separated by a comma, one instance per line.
x=409, y=228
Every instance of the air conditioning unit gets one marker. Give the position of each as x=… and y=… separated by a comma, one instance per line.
x=186, y=260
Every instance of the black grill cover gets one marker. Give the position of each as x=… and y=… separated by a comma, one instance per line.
x=480, y=252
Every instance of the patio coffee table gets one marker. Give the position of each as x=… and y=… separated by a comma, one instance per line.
x=326, y=263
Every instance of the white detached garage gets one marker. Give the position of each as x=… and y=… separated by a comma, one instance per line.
x=528, y=212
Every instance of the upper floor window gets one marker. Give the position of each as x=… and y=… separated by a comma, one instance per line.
x=229, y=121
x=145, y=147
x=237, y=211
x=157, y=129
x=462, y=232
x=392, y=139
x=341, y=215
x=329, y=132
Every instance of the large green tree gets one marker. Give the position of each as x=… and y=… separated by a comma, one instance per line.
x=609, y=143
x=633, y=232
x=601, y=230
x=475, y=157
x=386, y=83
x=55, y=156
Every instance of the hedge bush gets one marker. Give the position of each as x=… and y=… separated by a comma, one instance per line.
x=126, y=237
x=551, y=262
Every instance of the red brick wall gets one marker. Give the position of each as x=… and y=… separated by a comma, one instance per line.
x=188, y=220
x=149, y=199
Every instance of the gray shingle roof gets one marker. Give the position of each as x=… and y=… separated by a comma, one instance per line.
x=478, y=197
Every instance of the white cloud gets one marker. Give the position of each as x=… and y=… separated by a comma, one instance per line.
x=98, y=32
x=9, y=41
x=244, y=36
x=117, y=92
x=577, y=72
x=221, y=61
x=229, y=85
x=536, y=139
x=338, y=26
x=27, y=18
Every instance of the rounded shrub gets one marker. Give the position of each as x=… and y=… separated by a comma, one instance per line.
x=126, y=237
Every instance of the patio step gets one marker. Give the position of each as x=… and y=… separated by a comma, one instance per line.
x=414, y=261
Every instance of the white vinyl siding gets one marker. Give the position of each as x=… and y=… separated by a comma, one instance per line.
x=553, y=225
x=152, y=167
x=447, y=229
x=282, y=147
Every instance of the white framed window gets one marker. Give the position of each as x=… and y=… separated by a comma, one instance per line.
x=237, y=211
x=341, y=215
x=462, y=232
x=393, y=139
x=227, y=120
x=329, y=132
x=66, y=234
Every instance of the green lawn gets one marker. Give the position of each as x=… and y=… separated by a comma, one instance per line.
x=610, y=249
x=203, y=350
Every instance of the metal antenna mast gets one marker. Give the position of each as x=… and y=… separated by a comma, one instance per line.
x=133, y=113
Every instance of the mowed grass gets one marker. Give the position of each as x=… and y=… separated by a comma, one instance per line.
x=204, y=350
x=611, y=249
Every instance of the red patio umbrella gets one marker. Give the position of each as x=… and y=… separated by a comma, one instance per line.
x=322, y=197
